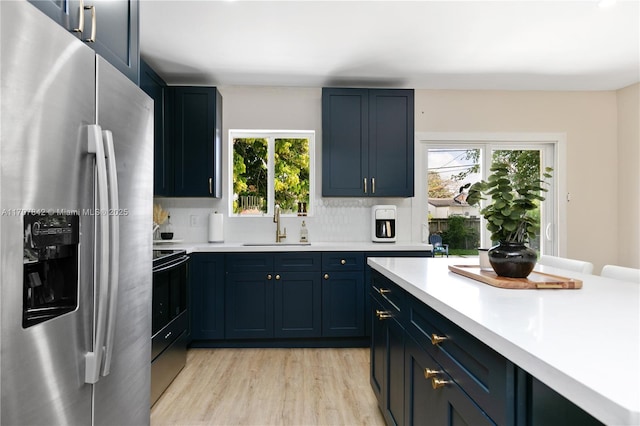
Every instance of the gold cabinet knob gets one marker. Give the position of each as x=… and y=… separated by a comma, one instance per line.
x=383, y=314
x=439, y=383
x=277, y=277
x=429, y=373
x=436, y=340
x=326, y=276
x=269, y=276
x=343, y=262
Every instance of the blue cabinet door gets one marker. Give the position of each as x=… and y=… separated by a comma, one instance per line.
x=445, y=405
x=157, y=89
x=297, y=305
x=249, y=305
x=197, y=139
x=368, y=142
x=344, y=141
x=342, y=304
x=378, y=360
x=207, y=296
x=391, y=143
x=116, y=33
x=115, y=24
x=387, y=364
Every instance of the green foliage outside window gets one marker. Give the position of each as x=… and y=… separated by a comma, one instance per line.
x=291, y=174
x=291, y=181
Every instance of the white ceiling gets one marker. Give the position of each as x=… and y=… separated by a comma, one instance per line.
x=509, y=44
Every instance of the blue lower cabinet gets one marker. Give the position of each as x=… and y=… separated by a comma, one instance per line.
x=343, y=304
x=206, y=278
x=387, y=362
x=280, y=297
x=547, y=407
x=297, y=304
x=432, y=396
x=249, y=305
x=343, y=294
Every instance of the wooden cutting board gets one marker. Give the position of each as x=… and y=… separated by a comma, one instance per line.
x=535, y=280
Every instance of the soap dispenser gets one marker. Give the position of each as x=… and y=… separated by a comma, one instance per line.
x=304, y=233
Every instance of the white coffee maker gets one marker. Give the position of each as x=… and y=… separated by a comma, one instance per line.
x=383, y=223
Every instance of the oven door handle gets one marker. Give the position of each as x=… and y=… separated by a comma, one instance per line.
x=173, y=264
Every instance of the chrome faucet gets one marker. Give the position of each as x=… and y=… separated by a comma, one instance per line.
x=276, y=219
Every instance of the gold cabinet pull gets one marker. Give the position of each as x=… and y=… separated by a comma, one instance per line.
x=373, y=185
x=429, y=373
x=326, y=276
x=383, y=314
x=365, y=185
x=439, y=383
x=277, y=277
x=80, y=28
x=91, y=39
x=210, y=185
x=269, y=276
x=385, y=291
x=343, y=262
x=436, y=340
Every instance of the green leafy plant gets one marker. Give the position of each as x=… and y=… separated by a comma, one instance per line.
x=512, y=215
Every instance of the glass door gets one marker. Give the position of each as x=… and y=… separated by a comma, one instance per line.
x=453, y=167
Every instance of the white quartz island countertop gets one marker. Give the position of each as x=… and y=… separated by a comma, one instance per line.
x=584, y=344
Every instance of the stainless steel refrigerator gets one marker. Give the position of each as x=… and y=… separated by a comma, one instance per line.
x=76, y=156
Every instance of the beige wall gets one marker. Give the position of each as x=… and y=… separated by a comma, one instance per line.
x=589, y=120
x=598, y=160
x=629, y=176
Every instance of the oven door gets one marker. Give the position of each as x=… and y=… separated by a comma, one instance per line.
x=169, y=303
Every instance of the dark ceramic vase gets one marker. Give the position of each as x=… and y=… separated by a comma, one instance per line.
x=513, y=260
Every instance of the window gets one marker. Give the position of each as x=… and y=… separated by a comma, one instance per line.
x=451, y=161
x=269, y=168
x=451, y=170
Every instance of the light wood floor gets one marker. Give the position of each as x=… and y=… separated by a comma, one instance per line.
x=271, y=387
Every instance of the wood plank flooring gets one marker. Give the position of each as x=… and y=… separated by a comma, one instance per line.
x=271, y=387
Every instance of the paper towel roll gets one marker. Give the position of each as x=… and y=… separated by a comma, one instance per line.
x=216, y=228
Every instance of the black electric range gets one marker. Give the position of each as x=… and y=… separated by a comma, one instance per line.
x=164, y=257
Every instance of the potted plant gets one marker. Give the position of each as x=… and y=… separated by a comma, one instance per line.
x=509, y=217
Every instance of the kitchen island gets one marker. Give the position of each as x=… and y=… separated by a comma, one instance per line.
x=583, y=344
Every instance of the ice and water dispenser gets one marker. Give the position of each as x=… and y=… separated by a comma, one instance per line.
x=383, y=221
x=50, y=266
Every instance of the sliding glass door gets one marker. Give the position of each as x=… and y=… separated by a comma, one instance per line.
x=452, y=167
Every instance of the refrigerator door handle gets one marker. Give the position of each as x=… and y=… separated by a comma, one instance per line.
x=114, y=248
x=93, y=360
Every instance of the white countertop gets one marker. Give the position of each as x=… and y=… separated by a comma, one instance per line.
x=315, y=246
x=584, y=344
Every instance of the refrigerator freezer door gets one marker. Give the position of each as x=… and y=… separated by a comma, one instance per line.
x=48, y=98
x=122, y=396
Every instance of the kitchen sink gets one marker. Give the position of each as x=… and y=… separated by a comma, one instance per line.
x=276, y=244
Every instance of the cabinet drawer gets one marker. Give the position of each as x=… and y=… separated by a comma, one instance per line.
x=343, y=261
x=431, y=395
x=388, y=293
x=480, y=371
x=253, y=262
x=296, y=262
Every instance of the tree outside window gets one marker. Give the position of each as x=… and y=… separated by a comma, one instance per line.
x=271, y=169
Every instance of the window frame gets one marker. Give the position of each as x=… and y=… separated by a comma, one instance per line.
x=271, y=136
x=555, y=228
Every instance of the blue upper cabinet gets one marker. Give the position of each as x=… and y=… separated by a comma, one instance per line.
x=110, y=27
x=197, y=139
x=157, y=89
x=367, y=142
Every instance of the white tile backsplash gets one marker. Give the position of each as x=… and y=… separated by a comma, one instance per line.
x=333, y=220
